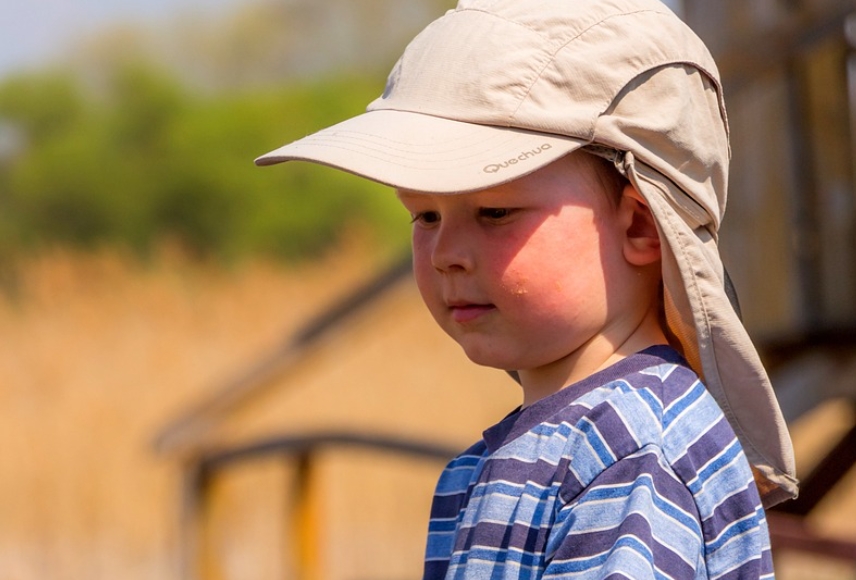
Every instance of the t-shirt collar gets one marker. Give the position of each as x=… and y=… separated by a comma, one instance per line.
x=522, y=420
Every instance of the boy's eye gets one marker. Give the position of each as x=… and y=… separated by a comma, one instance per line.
x=425, y=218
x=495, y=213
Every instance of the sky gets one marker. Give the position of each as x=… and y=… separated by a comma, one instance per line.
x=33, y=32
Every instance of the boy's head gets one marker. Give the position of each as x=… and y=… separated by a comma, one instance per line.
x=555, y=274
x=498, y=89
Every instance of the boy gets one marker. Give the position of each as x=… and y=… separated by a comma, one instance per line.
x=565, y=164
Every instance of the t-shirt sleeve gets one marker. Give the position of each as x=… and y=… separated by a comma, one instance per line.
x=636, y=521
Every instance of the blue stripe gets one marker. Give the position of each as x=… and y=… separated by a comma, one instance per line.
x=683, y=403
x=598, y=444
x=625, y=491
x=738, y=528
x=444, y=525
x=727, y=456
x=587, y=564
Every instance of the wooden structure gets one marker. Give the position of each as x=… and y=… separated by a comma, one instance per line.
x=790, y=78
x=319, y=462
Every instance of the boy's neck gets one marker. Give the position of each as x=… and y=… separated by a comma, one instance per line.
x=599, y=353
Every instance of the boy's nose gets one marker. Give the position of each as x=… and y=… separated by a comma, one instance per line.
x=450, y=251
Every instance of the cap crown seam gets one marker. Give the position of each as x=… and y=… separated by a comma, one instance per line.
x=565, y=42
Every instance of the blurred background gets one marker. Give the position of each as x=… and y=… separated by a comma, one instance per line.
x=213, y=371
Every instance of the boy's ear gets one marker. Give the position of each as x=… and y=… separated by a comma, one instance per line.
x=641, y=240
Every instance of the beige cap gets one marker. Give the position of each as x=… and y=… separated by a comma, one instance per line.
x=496, y=89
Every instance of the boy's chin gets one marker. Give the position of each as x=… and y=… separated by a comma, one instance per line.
x=490, y=359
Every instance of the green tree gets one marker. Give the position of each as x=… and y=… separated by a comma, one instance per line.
x=142, y=158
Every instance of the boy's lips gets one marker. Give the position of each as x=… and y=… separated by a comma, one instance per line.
x=463, y=312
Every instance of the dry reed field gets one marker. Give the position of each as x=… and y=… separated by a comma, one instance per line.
x=100, y=351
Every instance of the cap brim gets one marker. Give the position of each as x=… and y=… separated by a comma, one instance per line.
x=420, y=152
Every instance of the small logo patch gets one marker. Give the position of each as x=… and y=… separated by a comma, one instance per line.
x=496, y=167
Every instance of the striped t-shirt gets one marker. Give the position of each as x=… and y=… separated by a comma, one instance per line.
x=632, y=473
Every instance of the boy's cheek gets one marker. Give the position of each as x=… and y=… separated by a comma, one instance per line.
x=420, y=245
x=421, y=264
x=427, y=290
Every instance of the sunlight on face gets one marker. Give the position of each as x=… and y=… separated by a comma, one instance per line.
x=518, y=274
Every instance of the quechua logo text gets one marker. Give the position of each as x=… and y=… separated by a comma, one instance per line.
x=524, y=156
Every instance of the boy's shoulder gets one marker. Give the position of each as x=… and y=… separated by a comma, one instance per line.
x=655, y=403
x=650, y=401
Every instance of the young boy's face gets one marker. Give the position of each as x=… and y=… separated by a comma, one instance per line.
x=529, y=273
